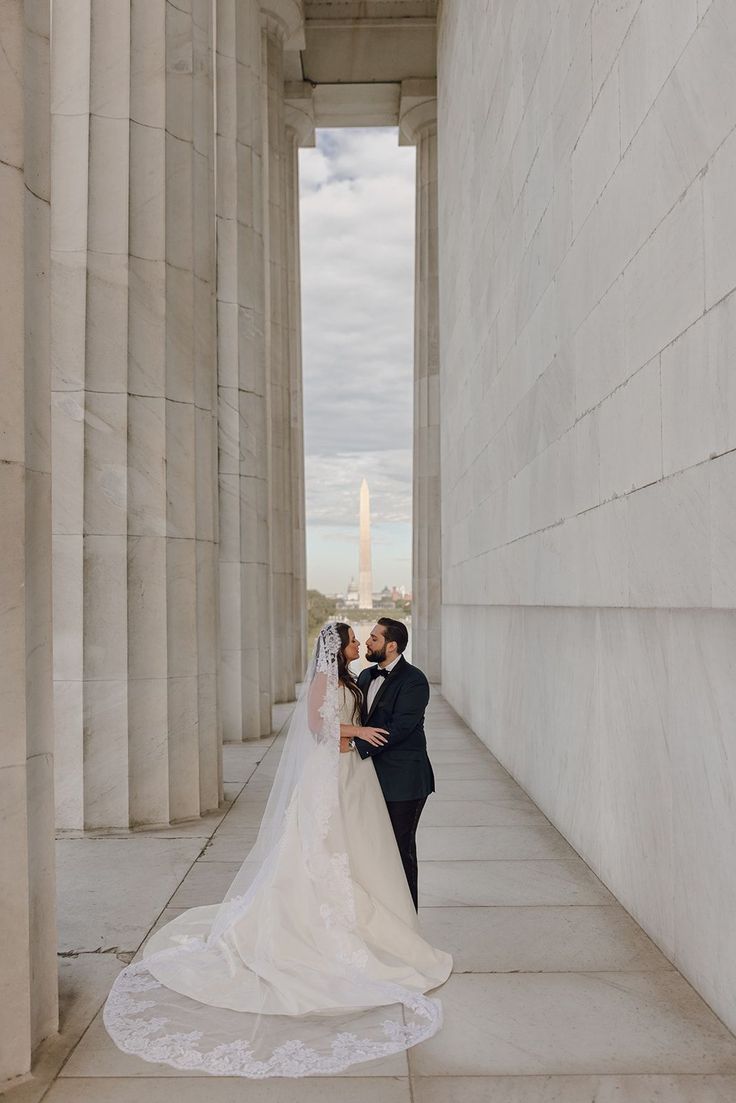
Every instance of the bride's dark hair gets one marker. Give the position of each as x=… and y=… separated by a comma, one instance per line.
x=344, y=675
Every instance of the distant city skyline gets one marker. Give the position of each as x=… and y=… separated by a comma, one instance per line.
x=349, y=597
x=357, y=231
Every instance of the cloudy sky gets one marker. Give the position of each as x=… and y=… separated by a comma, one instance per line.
x=357, y=227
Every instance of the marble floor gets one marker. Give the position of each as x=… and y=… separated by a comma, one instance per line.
x=557, y=995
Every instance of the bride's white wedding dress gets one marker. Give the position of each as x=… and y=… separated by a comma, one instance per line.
x=315, y=960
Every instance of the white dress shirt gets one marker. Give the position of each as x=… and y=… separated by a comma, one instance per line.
x=377, y=684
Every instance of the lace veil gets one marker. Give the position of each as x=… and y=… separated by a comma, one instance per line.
x=213, y=986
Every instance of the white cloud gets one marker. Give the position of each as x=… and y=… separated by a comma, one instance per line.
x=357, y=242
x=333, y=486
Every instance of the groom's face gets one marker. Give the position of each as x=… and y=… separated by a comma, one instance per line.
x=375, y=648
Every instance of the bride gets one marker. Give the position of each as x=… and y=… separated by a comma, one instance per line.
x=314, y=960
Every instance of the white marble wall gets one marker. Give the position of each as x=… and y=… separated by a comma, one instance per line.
x=135, y=413
x=245, y=618
x=28, y=989
x=587, y=168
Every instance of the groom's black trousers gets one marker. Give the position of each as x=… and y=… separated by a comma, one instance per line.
x=404, y=816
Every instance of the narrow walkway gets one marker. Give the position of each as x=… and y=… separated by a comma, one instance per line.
x=558, y=996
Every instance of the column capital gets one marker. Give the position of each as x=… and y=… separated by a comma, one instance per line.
x=299, y=111
x=417, y=110
x=285, y=19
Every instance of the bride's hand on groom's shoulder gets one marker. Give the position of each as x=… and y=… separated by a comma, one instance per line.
x=377, y=737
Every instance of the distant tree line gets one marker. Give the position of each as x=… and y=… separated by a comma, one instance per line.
x=319, y=609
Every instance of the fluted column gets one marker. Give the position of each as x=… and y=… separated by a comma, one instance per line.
x=194, y=780
x=245, y=609
x=28, y=973
x=299, y=132
x=418, y=126
x=280, y=19
x=134, y=409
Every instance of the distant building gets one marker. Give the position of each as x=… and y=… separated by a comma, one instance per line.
x=351, y=599
x=384, y=599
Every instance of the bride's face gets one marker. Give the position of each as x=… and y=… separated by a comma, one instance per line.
x=352, y=650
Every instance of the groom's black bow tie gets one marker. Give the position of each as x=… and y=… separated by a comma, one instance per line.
x=377, y=672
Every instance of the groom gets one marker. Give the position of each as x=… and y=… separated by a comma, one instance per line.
x=395, y=696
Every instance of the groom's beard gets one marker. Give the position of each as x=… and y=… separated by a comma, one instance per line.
x=376, y=656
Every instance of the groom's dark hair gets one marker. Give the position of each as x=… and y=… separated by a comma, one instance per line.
x=394, y=631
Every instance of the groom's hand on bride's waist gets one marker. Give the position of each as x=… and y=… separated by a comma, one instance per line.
x=377, y=737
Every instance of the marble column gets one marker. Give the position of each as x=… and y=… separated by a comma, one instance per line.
x=191, y=375
x=418, y=126
x=300, y=132
x=28, y=975
x=134, y=413
x=245, y=611
x=279, y=24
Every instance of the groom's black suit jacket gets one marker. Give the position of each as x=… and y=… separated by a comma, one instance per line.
x=402, y=764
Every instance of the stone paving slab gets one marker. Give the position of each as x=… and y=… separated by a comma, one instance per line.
x=482, y=813
x=476, y=788
x=542, y=939
x=245, y=814
x=562, y=1023
x=378, y=1089
x=231, y=847
x=112, y=889
x=527, y=841
x=531, y=882
x=239, y=760
x=206, y=884
x=575, y=1089
x=471, y=769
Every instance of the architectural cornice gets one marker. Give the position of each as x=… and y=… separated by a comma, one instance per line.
x=370, y=9
x=337, y=105
x=285, y=18
x=396, y=24
x=417, y=110
x=363, y=49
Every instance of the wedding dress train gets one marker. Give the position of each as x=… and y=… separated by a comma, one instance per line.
x=315, y=960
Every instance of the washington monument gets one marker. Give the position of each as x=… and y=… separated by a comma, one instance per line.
x=365, y=583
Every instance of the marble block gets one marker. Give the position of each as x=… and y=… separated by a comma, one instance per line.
x=698, y=390
x=661, y=42
x=720, y=225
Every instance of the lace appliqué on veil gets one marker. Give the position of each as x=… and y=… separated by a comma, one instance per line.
x=293, y=1058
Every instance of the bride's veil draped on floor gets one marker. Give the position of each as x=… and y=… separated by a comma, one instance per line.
x=275, y=980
